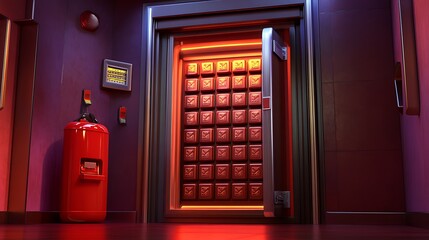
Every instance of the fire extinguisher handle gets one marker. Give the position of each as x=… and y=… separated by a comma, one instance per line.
x=88, y=117
x=91, y=118
x=92, y=177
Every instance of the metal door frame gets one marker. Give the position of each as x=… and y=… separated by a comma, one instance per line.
x=174, y=17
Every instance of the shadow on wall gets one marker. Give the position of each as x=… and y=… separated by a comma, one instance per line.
x=51, y=178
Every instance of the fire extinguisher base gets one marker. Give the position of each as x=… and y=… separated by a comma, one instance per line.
x=83, y=216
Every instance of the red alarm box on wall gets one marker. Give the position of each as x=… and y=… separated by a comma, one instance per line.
x=84, y=172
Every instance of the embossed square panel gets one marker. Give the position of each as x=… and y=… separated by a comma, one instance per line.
x=223, y=83
x=255, y=171
x=239, y=171
x=239, y=134
x=205, y=191
x=190, y=153
x=239, y=66
x=239, y=191
x=255, y=116
x=191, y=101
x=190, y=135
x=191, y=85
x=223, y=117
x=239, y=99
x=207, y=84
x=255, y=152
x=255, y=191
x=239, y=152
x=190, y=172
x=239, y=82
x=223, y=100
x=239, y=117
x=223, y=135
x=222, y=171
x=206, y=135
x=223, y=67
x=207, y=68
x=254, y=65
x=206, y=118
x=207, y=101
x=206, y=172
x=222, y=191
x=255, y=81
x=191, y=118
x=191, y=69
x=255, y=134
x=206, y=153
x=255, y=98
x=222, y=153
x=189, y=191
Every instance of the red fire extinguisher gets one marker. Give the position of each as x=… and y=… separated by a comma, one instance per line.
x=84, y=171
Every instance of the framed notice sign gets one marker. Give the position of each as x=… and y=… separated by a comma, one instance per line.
x=117, y=75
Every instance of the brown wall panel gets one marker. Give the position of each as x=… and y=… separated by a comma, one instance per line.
x=20, y=158
x=362, y=140
x=12, y=10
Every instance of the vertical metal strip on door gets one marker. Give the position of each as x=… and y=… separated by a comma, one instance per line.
x=272, y=48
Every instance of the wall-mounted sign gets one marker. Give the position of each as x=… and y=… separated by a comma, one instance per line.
x=117, y=75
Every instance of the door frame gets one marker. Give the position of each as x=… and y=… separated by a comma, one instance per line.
x=174, y=17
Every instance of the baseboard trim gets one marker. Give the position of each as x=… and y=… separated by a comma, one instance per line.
x=15, y=217
x=42, y=217
x=36, y=217
x=366, y=218
x=418, y=219
x=3, y=217
x=121, y=217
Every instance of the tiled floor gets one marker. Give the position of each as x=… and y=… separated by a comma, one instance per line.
x=210, y=231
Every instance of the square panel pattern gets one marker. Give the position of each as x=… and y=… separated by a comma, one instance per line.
x=221, y=158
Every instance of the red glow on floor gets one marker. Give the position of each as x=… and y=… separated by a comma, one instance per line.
x=162, y=231
x=224, y=232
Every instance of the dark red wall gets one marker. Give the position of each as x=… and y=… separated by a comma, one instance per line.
x=362, y=135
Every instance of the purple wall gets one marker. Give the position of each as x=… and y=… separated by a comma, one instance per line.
x=13, y=10
x=69, y=60
x=127, y=34
x=415, y=129
x=362, y=139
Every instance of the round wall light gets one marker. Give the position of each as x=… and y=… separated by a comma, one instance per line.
x=89, y=21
